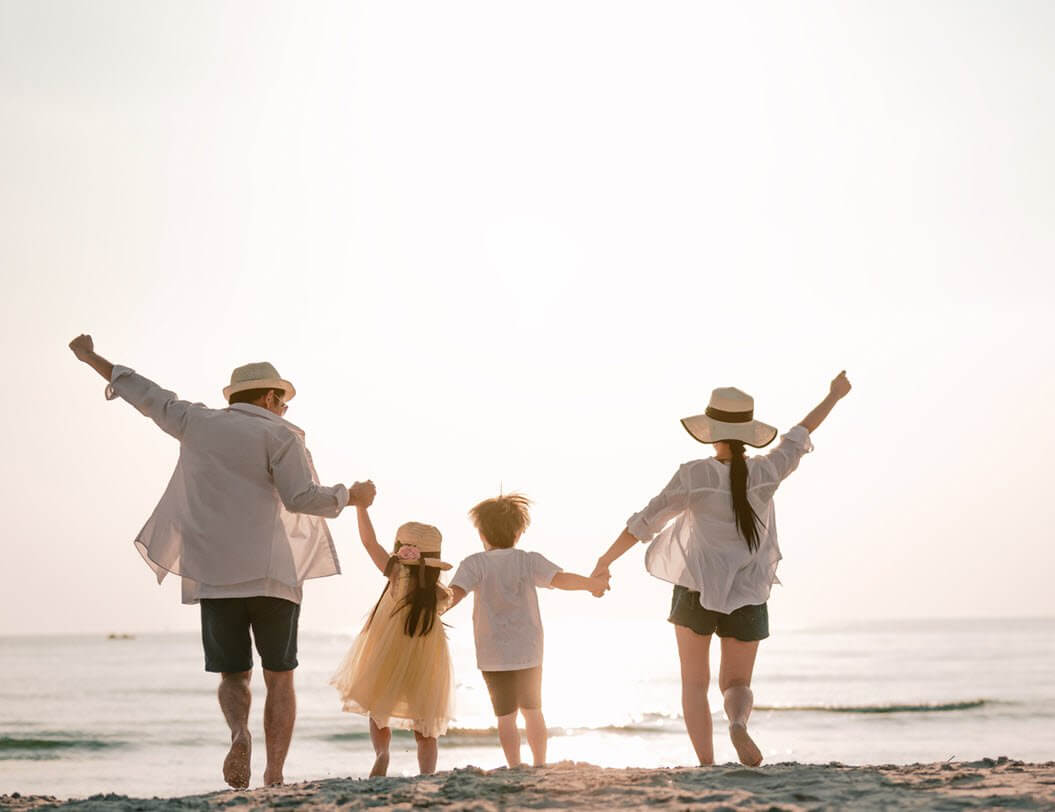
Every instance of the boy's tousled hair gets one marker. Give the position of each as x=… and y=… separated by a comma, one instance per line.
x=502, y=519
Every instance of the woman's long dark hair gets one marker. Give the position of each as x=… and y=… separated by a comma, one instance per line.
x=422, y=598
x=747, y=520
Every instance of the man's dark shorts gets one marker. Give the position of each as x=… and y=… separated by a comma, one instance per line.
x=748, y=623
x=225, y=625
x=514, y=690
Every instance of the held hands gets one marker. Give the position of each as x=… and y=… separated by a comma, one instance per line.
x=601, y=571
x=361, y=494
x=82, y=346
x=599, y=585
x=840, y=387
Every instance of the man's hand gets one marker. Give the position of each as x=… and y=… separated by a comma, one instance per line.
x=840, y=387
x=601, y=571
x=82, y=347
x=362, y=494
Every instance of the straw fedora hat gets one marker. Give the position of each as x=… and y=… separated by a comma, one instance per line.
x=426, y=539
x=260, y=375
x=730, y=416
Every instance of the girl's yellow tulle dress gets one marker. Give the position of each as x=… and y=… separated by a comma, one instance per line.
x=396, y=680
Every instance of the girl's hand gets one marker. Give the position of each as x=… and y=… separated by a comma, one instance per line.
x=361, y=494
x=840, y=387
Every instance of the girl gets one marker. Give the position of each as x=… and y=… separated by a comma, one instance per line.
x=398, y=670
x=721, y=553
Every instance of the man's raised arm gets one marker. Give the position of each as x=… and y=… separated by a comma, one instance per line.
x=160, y=405
x=84, y=348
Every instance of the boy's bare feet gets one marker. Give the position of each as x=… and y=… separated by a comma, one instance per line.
x=236, y=764
x=273, y=779
x=380, y=765
x=746, y=749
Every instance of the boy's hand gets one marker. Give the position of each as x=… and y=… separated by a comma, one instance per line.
x=599, y=586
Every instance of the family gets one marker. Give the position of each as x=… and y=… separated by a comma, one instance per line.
x=242, y=522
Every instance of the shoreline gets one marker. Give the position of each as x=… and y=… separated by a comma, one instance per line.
x=568, y=785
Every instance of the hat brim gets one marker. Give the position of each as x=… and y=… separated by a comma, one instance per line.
x=435, y=563
x=265, y=383
x=708, y=430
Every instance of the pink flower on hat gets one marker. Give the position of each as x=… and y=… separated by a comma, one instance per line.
x=408, y=552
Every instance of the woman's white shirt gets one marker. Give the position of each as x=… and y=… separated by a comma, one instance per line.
x=702, y=549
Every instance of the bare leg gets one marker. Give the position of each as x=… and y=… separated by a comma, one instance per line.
x=509, y=736
x=381, y=738
x=535, y=723
x=428, y=750
x=734, y=679
x=695, y=651
x=280, y=712
x=235, y=697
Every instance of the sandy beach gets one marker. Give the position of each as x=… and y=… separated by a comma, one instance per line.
x=980, y=784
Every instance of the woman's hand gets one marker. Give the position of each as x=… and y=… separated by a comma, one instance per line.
x=840, y=387
x=599, y=585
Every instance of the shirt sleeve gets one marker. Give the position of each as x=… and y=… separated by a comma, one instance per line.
x=297, y=484
x=785, y=457
x=542, y=569
x=467, y=576
x=671, y=501
x=160, y=405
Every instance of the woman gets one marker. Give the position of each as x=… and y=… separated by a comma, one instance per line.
x=721, y=553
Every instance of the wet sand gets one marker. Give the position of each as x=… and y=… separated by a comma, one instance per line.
x=959, y=785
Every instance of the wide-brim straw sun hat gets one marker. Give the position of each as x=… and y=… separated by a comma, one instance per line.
x=427, y=539
x=730, y=416
x=260, y=375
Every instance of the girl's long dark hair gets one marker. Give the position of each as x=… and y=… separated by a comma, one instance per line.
x=747, y=520
x=421, y=598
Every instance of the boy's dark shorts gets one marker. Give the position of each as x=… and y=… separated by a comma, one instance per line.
x=748, y=623
x=225, y=624
x=514, y=690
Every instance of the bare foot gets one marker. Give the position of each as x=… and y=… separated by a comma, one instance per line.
x=380, y=765
x=271, y=779
x=746, y=749
x=236, y=765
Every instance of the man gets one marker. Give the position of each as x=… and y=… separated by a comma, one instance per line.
x=241, y=523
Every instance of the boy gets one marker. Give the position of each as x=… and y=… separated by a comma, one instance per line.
x=506, y=620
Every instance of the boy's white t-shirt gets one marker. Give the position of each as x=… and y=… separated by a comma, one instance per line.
x=506, y=621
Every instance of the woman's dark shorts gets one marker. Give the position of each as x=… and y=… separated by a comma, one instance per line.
x=225, y=625
x=514, y=690
x=748, y=623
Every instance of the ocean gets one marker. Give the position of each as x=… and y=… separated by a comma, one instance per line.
x=81, y=715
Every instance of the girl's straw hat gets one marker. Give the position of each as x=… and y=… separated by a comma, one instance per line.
x=258, y=376
x=730, y=416
x=425, y=540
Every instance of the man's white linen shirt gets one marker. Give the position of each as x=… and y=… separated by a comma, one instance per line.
x=506, y=621
x=702, y=549
x=242, y=514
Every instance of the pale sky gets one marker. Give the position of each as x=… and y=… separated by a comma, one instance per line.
x=512, y=244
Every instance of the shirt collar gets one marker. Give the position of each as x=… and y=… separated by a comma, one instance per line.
x=260, y=411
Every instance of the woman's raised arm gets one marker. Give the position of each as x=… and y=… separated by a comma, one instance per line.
x=839, y=389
